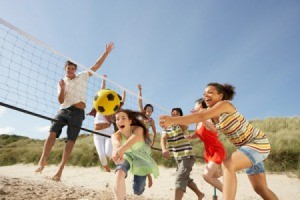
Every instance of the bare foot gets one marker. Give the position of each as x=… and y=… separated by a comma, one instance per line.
x=107, y=169
x=56, y=177
x=201, y=196
x=41, y=167
x=150, y=183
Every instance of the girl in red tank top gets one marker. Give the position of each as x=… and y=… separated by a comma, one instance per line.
x=214, y=151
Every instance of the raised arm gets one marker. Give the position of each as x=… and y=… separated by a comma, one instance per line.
x=123, y=97
x=140, y=101
x=101, y=60
x=103, y=84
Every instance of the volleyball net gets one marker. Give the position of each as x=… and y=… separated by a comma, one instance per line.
x=31, y=70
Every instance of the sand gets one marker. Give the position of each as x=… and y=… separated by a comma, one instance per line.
x=21, y=182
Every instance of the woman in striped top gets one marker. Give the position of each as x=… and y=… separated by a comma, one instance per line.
x=253, y=145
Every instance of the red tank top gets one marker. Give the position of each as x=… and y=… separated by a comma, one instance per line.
x=214, y=149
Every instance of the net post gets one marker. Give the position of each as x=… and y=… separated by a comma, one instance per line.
x=215, y=197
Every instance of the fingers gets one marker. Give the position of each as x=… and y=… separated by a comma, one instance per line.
x=163, y=121
x=110, y=46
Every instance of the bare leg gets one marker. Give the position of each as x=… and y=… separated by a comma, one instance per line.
x=46, y=150
x=66, y=154
x=150, y=183
x=259, y=184
x=211, y=175
x=178, y=194
x=120, y=187
x=230, y=166
x=195, y=189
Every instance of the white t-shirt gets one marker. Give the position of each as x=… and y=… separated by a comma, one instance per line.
x=75, y=89
x=102, y=119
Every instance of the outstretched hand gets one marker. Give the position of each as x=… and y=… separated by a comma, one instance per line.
x=165, y=121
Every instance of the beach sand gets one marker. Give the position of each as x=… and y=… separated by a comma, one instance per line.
x=21, y=182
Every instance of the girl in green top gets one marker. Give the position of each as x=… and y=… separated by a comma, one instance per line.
x=131, y=153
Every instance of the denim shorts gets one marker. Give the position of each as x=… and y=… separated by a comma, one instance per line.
x=138, y=181
x=256, y=159
x=71, y=115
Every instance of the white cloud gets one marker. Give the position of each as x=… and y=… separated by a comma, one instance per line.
x=43, y=128
x=7, y=130
x=2, y=110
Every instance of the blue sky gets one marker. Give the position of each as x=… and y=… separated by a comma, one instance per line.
x=174, y=48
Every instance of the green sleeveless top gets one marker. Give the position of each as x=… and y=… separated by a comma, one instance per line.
x=140, y=160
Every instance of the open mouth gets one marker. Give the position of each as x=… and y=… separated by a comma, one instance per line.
x=122, y=126
x=207, y=101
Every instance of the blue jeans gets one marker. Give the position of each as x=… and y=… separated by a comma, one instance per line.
x=138, y=181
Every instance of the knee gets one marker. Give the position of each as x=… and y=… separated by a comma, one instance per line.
x=227, y=166
x=121, y=173
x=206, y=176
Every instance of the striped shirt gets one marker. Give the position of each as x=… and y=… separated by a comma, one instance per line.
x=178, y=146
x=241, y=133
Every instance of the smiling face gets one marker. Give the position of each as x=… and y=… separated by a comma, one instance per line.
x=211, y=96
x=70, y=71
x=148, y=111
x=123, y=122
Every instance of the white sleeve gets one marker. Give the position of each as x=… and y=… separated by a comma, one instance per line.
x=99, y=119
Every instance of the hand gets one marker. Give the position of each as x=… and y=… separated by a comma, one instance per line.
x=166, y=154
x=116, y=157
x=62, y=84
x=165, y=121
x=110, y=47
x=140, y=86
x=194, y=111
x=187, y=136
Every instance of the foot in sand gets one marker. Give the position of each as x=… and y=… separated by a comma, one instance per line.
x=106, y=168
x=41, y=166
x=201, y=196
x=57, y=177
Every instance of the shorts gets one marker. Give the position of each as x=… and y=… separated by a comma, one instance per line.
x=256, y=159
x=183, y=171
x=70, y=115
x=138, y=181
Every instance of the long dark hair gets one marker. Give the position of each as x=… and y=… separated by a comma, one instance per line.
x=136, y=118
